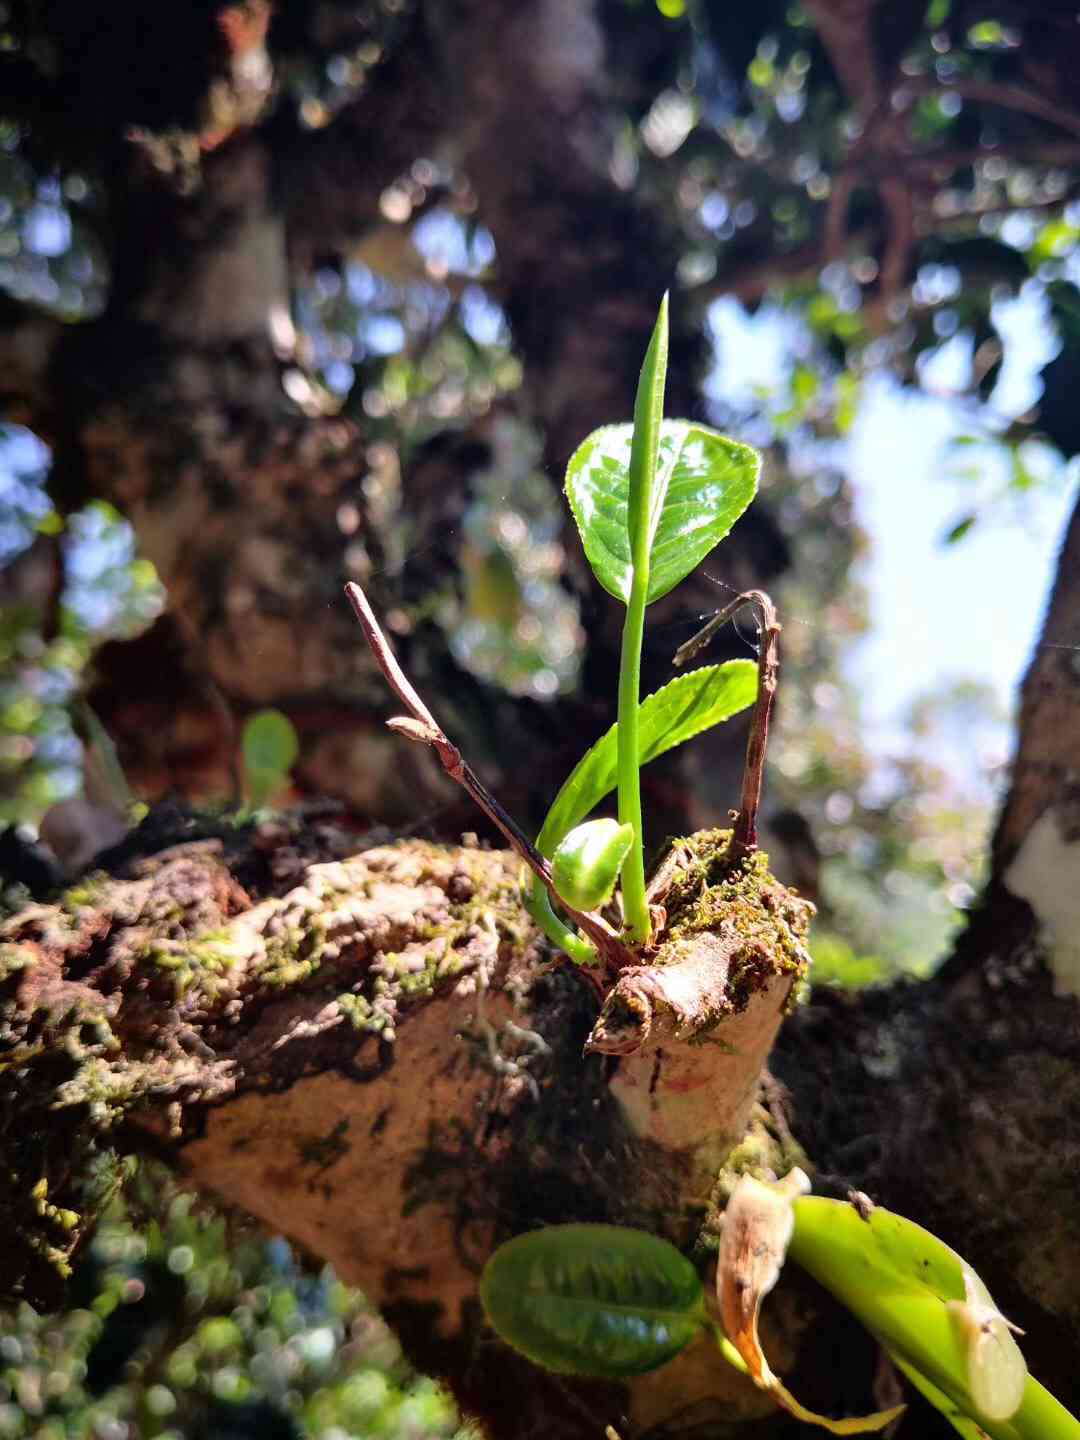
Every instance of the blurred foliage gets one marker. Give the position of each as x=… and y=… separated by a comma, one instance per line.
x=734, y=124
x=184, y=1325
x=65, y=585
x=269, y=747
x=514, y=624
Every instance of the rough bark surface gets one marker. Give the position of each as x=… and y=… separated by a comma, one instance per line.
x=958, y=1101
x=376, y=1056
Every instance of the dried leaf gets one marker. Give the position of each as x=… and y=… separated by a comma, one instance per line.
x=412, y=729
x=757, y=1228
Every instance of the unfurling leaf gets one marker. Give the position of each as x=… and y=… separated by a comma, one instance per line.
x=703, y=483
x=593, y=1299
x=587, y=862
x=758, y=1225
x=677, y=712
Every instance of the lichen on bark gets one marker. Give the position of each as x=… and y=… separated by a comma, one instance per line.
x=168, y=989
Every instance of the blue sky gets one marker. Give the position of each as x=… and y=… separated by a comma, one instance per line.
x=941, y=612
x=938, y=612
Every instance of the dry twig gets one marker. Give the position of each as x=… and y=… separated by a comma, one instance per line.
x=420, y=725
x=745, y=837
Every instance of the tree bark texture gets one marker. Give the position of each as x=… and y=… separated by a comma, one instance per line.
x=381, y=1060
x=367, y=1046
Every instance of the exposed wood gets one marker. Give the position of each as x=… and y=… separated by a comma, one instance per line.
x=1047, y=759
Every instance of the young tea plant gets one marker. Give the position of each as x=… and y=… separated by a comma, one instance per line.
x=651, y=499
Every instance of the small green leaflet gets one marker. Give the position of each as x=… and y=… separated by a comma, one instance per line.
x=704, y=482
x=586, y=864
x=680, y=710
x=593, y=1299
x=269, y=747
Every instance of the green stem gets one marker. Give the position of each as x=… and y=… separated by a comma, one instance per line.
x=895, y=1277
x=581, y=951
x=641, y=527
x=635, y=906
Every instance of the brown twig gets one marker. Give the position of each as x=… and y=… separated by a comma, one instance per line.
x=420, y=725
x=745, y=837
x=1007, y=97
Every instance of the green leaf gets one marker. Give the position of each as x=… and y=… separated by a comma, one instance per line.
x=956, y=532
x=593, y=1299
x=269, y=747
x=680, y=710
x=644, y=504
x=703, y=483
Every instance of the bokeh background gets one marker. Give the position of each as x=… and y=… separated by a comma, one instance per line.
x=330, y=291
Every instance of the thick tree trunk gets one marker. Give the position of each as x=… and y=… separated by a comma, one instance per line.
x=958, y=1101
x=374, y=1054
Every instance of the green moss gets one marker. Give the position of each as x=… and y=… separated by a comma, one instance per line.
x=192, y=962
x=766, y=1153
x=357, y=1010
x=67, y=1219
x=740, y=899
x=13, y=958
x=80, y=897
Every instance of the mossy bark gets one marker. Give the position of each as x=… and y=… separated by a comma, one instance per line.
x=375, y=1054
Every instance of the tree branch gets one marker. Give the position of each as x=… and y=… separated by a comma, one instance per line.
x=843, y=27
x=745, y=837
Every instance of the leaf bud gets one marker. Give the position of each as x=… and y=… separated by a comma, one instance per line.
x=587, y=862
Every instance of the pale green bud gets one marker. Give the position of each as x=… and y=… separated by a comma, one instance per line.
x=587, y=863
